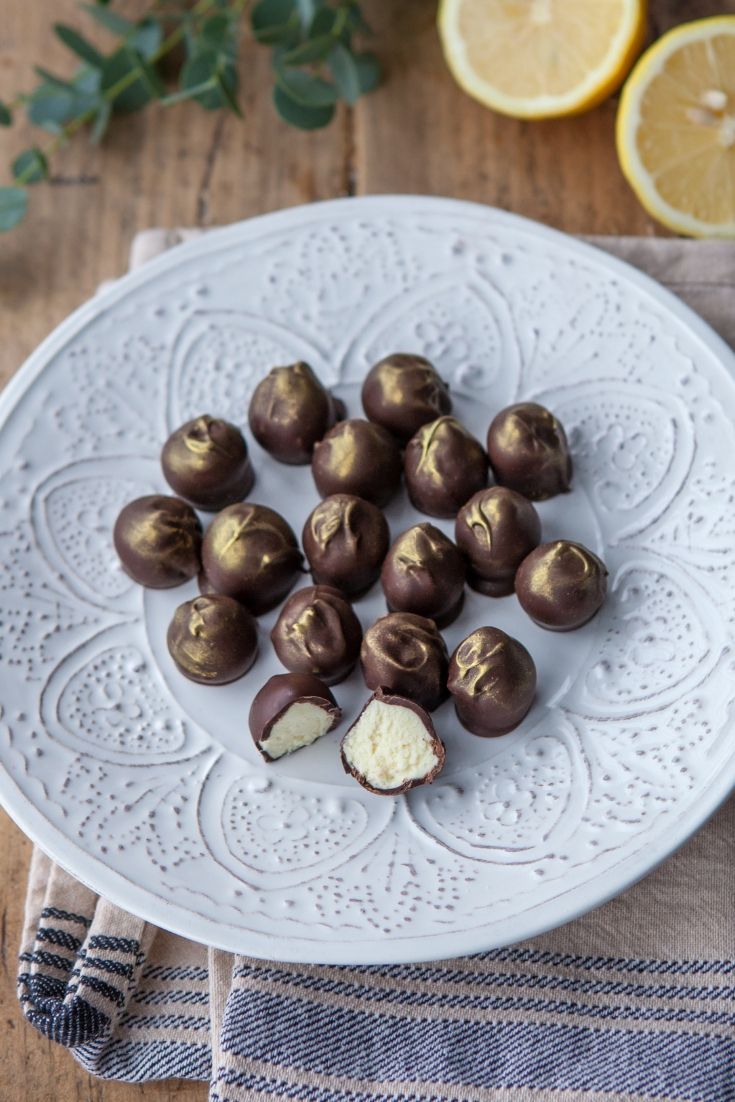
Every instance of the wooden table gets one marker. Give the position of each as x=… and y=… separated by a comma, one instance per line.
x=182, y=166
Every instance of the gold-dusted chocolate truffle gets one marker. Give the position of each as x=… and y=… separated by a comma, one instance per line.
x=212, y=640
x=318, y=632
x=444, y=465
x=158, y=540
x=405, y=654
x=529, y=452
x=561, y=585
x=392, y=746
x=345, y=540
x=424, y=573
x=492, y=679
x=360, y=458
x=402, y=392
x=206, y=461
x=290, y=410
x=250, y=553
x=496, y=529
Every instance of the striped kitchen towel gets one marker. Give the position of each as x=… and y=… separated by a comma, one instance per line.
x=634, y=1001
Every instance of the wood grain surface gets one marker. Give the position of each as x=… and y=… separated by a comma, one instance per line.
x=182, y=166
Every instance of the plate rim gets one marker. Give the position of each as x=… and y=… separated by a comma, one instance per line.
x=172, y=916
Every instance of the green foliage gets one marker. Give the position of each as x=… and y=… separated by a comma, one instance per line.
x=314, y=66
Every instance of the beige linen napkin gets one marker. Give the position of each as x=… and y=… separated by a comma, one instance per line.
x=634, y=1001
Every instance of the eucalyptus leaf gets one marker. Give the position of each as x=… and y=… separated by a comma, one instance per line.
x=101, y=122
x=118, y=24
x=79, y=45
x=6, y=115
x=30, y=166
x=53, y=81
x=227, y=92
x=13, y=207
x=305, y=88
x=368, y=71
x=87, y=81
x=276, y=22
x=344, y=71
x=323, y=23
x=147, y=37
x=314, y=49
x=50, y=108
x=307, y=9
x=305, y=118
x=136, y=95
x=148, y=74
x=217, y=72
x=189, y=93
x=217, y=32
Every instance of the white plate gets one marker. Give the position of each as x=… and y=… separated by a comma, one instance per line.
x=148, y=788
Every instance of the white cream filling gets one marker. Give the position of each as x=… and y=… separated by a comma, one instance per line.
x=300, y=725
x=389, y=745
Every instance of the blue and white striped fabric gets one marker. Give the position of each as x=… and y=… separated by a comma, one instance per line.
x=633, y=1002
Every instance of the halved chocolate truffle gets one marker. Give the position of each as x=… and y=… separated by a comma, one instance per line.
x=346, y=539
x=290, y=410
x=492, y=679
x=443, y=466
x=159, y=541
x=402, y=392
x=561, y=585
x=424, y=572
x=357, y=457
x=317, y=632
x=212, y=640
x=496, y=529
x=206, y=461
x=392, y=746
x=250, y=553
x=405, y=654
x=290, y=711
x=529, y=452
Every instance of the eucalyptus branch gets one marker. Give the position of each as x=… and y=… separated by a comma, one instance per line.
x=314, y=64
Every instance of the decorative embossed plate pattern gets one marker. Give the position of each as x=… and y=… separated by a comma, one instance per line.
x=148, y=788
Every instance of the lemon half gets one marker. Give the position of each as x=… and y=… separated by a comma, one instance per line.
x=540, y=58
x=676, y=128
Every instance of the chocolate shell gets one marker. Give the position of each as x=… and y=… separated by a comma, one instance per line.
x=360, y=458
x=444, y=465
x=291, y=410
x=403, y=392
x=291, y=711
x=158, y=540
x=250, y=553
x=206, y=461
x=529, y=452
x=212, y=640
x=317, y=632
x=561, y=585
x=392, y=746
x=496, y=529
x=345, y=540
x=492, y=680
x=405, y=654
x=424, y=573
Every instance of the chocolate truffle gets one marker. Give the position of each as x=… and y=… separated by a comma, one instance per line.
x=290, y=410
x=424, y=572
x=528, y=451
x=496, y=529
x=250, y=553
x=317, y=632
x=561, y=585
x=402, y=393
x=206, y=461
x=346, y=539
x=290, y=711
x=492, y=679
x=357, y=457
x=159, y=541
x=405, y=654
x=392, y=746
x=212, y=640
x=443, y=466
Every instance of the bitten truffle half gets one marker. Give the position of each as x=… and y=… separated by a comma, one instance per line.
x=392, y=746
x=291, y=711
